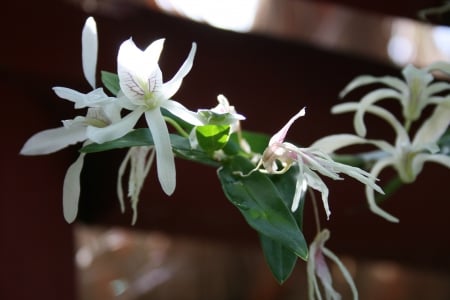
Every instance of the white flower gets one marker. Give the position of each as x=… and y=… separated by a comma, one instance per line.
x=414, y=93
x=145, y=93
x=317, y=270
x=406, y=156
x=102, y=111
x=309, y=160
x=140, y=160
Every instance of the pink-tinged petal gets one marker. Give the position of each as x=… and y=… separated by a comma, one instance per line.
x=165, y=161
x=280, y=135
x=52, y=140
x=71, y=189
x=182, y=112
x=116, y=130
x=171, y=87
x=89, y=43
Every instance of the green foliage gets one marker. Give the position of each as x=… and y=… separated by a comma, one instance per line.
x=111, y=82
x=264, y=208
x=212, y=137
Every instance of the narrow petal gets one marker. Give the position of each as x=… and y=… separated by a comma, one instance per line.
x=359, y=81
x=52, y=140
x=116, y=130
x=71, y=189
x=315, y=182
x=437, y=87
x=280, y=135
x=420, y=159
x=376, y=169
x=171, y=87
x=344, y=271
x=120, y=174
x=182, y=112
x=165, y=161
x=89, y=42
x=331, y=143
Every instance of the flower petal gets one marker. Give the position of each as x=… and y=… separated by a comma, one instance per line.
x=55, y=139
x=89, y=43
x=182, y=112
x=280, y=135
x=115, y=130
x=359, y=81
x=376, y=169
x=71, y=189
x=331, y=143
x=171, y=87
x=434, y=127
x=138, y=71
x=94, y=98
x=165, y=161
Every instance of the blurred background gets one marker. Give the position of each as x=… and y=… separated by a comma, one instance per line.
x=269, y=58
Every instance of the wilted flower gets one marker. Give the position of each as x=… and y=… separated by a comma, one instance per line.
x=318, y=271
x=139, y=159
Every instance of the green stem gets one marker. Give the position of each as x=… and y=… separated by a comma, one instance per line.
x=177, y=127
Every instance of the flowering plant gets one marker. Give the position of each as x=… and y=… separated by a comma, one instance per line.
x=266, y=178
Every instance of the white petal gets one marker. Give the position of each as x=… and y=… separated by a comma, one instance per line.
x=182, y=112
x=280, y=135
x=165, y=161
x=171, y=87
x=52, y=140
x=376, y=169
x=420, y=159
x=434, y=127
x=94, y=98
x=115, y=130
x=367, y=79
x=315, y=182
x=138, y=71
x=71, y=189
x=89, y=42
x=331, y=143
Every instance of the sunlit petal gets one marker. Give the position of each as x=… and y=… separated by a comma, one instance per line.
x=331, y=143
x=71, y=189
x=165, y=162
x=94, y=98
x=434, y=127
x=89, y=42
x=390, y=81
x=116, y=130
x=171, y=87
x=182, y=112
x=52, y=140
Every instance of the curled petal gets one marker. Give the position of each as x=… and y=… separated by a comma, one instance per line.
x=280, y=135
x=171, y=87
x=165, y=161
x=331, y=143
x=52, y=140
x=390, y=81
x=89, y=42
x=420, y=159
x=315, y=182
x=116, y=130
x=71, y=189
x=376, y=169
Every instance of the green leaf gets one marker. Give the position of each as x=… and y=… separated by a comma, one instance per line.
x=280, y=259
x=262, y=205
x=111, y=82
x=212, y=137
x=142, y=137
x=257, y=141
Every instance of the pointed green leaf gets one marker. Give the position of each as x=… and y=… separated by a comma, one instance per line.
x=111, y=82
x=261, y=204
